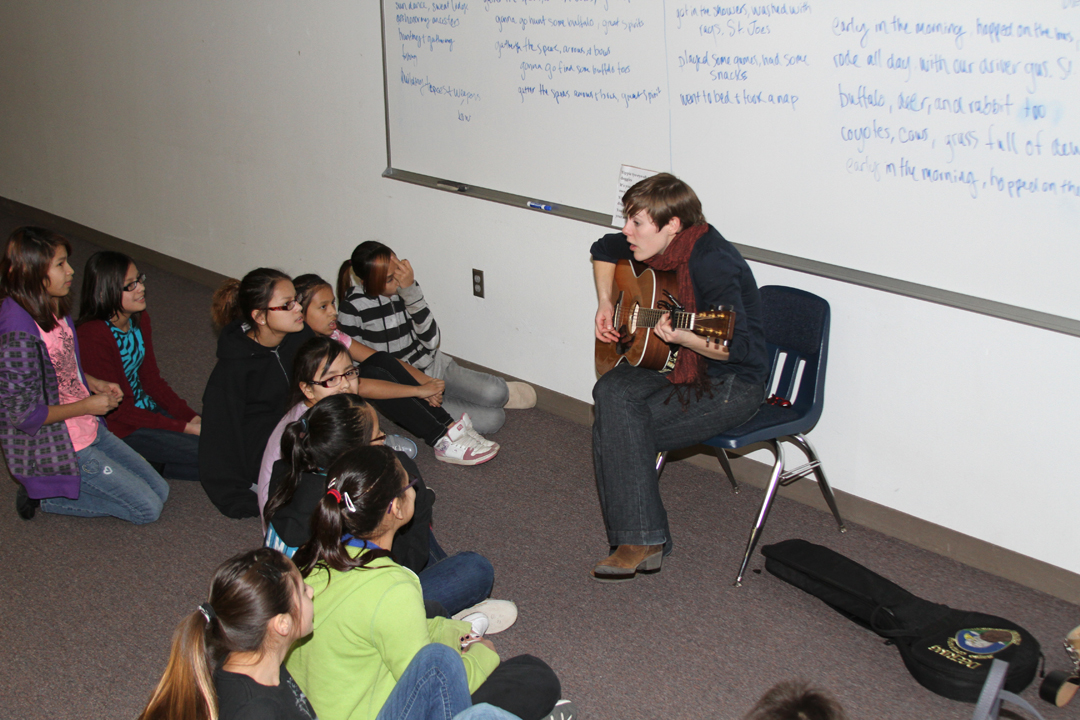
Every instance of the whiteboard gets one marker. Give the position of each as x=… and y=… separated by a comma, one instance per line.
x=935, y=143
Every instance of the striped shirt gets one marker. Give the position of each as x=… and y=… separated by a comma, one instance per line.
x=132, y=352
x=401, y=325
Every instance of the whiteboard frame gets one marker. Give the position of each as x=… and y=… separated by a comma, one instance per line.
x=927, y=293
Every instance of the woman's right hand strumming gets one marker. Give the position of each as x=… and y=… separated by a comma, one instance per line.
x=605, y=328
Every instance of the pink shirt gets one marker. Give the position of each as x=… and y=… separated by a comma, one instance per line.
x=342, y=338
x=60, y=342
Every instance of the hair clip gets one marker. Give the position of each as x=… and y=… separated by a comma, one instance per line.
x=349, y=503
x=207, y=611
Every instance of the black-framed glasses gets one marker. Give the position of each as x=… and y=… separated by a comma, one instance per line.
x=334, y=380
x=141, y=280
x=378, y=439
x=287, y=307
x=403, y=490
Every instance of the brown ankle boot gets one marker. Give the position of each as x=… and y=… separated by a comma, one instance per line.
x=629, y=560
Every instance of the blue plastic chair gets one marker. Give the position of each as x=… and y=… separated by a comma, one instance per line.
x=797, y=332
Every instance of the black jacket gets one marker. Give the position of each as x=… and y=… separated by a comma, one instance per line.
x=245, y=398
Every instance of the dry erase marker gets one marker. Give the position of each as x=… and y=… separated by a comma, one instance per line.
x=540, y=206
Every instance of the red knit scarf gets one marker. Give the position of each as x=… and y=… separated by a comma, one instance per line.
x=689, y=367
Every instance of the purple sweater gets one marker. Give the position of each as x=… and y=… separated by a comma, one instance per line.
x=39, y=456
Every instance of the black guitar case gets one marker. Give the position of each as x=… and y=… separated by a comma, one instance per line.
x=947, y=651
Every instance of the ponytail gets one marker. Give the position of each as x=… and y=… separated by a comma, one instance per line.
x=247, y=592
x=186, y=690
x=225, y=306
x=344, y=282
x=328, y=429
x=238, y=299
x=371, y=478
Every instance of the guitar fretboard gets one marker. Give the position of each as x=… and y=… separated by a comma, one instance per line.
x=648, y=317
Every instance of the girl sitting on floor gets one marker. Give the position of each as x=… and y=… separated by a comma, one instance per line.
x=322, y=368
x=402, y=393
x=65, y=460
x=226, y=657
x=117, y=345
x=383, y=307
x=324, y=433
x=369, y=611
x=262, y=328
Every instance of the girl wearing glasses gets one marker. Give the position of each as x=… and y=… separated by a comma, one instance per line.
x=369, y=611
x=65, y=460
x=117, y=345
x=401, y=392
x=333, y=427
x=246, y=395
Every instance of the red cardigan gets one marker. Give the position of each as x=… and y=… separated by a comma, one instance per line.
x=101, y=359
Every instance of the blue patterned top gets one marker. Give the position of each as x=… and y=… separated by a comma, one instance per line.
x=132, y=352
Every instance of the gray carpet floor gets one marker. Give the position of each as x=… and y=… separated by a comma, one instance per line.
x=87, y=607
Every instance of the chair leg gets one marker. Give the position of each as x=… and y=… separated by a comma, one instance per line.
x=819, y=473
x=721, y=455
x=766, y=506
x=661, y=461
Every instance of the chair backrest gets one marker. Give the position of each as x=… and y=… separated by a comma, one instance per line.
x=797, y=332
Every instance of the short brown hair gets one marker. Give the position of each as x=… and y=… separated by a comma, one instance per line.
x=663, y=197
x=796, y=700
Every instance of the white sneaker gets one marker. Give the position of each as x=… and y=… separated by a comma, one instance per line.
x=500, y=614
x=564, y=710
x=467, y=422
x=458, y=447
x=479, y=622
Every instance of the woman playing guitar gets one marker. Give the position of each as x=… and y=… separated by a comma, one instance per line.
x=712, y=388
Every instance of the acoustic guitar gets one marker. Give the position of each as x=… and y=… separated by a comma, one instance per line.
x=642, y=296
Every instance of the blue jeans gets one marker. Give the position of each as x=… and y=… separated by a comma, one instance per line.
x=433, y=686
x=116, y=481
x=468, y=391
x=483, y=711
x=177, y=451
x=636, y=416
x=458, y=582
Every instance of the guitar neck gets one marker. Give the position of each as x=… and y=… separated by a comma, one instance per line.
x=648, y=317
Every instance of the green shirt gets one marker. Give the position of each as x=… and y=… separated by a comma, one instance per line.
x=369, y=623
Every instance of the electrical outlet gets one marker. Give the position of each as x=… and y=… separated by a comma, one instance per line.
x=478, y=283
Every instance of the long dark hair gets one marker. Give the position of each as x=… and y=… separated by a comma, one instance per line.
x=247, y=592
x=371, y=477
x=240, y=298
x=328, y=429
x=103, y=287
x=370, y=263
x=313, y=359
x=24, y=270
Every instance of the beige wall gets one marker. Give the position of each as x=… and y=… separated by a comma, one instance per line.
x=238, y=134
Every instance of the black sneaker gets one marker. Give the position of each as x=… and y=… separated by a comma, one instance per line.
x=24, y=505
